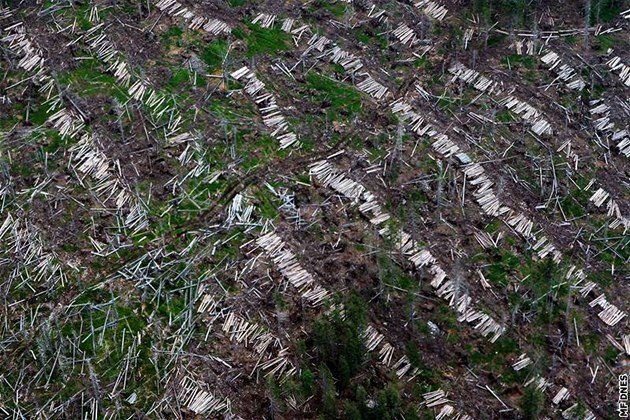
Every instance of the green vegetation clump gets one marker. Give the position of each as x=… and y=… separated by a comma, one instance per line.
x=172, y=35
x=503, y=264
x=214, y=53
x=604, y=42
x=522, y=12
x=87, y=79
x=178, y=78
x=515, y=11
x=339, y=355
x=516, y=61
x=337, y=341
x=261, y=40
x=340, y=100
x=532, y=403
x=338, y=9
x=606, y=10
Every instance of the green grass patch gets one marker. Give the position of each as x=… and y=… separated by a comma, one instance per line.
x=87, y=79
x=173, y=34
x=260, y=149
x=214, y=53
x=422, y=63
x=267, y=204
x=571, y=40
x=541, y=276
x=449, y=103
x=505, y=116
x=183, y=76
x=604, y=42
x=517, y=61
x=39, y=115
x=178, y=78
x=532, y=403
x=339, y=100
x=496, y=39
x=55, y=142
x=363, y=37
x=337, y=9
x=261, y=40
x=229, y=110
x=571, y=207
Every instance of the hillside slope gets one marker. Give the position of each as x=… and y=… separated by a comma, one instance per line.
x=312, y=209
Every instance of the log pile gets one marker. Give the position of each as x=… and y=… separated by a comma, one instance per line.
x=264, y=20
x=327, y=176
x=405, y=35
x=268, y=106
x=616, y=65
x=538, y=124
x=604, y=124
x=70, y=123
x=281, y=254
x=610, y=314
x=564, y=72
x=432, y=9
x=200, y=401
x=484, y=194
x=33, y=263
x=175, y=9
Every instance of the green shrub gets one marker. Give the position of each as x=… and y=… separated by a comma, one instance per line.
x=388, y=404
x=329, y=398
x=337, y=342
x=307, y=383
x=339, y=346
x=351, y=411
x=532, y=403
x=413, y=354
x=605, y=10
x=214, y=53
x=516, y=60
